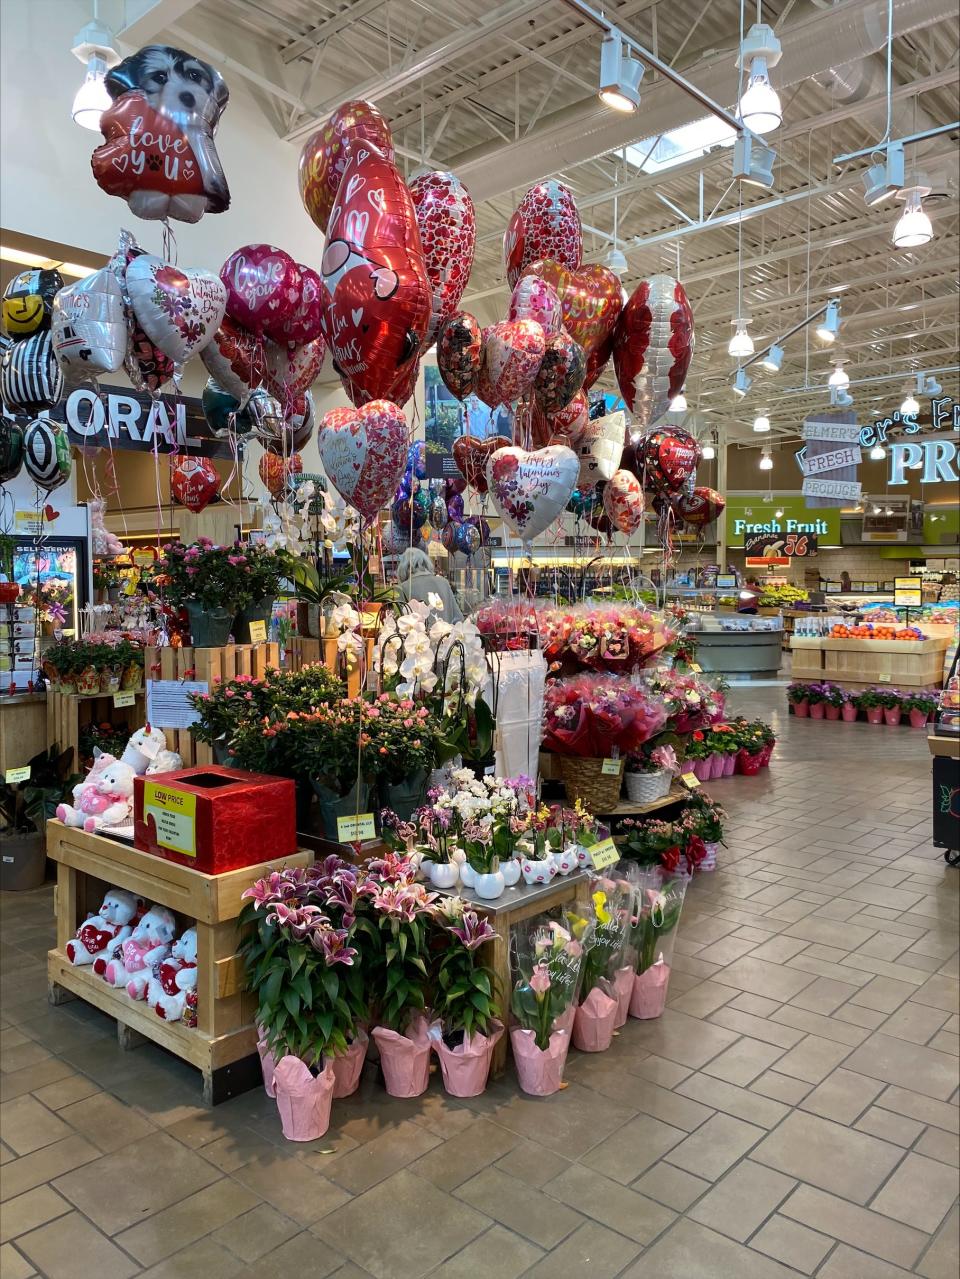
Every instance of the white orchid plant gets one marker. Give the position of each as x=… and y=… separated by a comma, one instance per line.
x=296, y=524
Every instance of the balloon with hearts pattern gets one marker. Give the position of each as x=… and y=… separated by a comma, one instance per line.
x=275, y=472
x=561, y=373
x=601, y=447
x=591, y=299
x=291, y=370
x=304, y=325
x=194, y=481
x=460, y=354
x=670, y=457
x=653, y=346
x=178, y=310
x=512, y=354
x=234, y=359
x=364, y=453
x=529, y=490
x=701, y=507
x=546, y=224
x=563, y=427
x=448, y=235
x=536, y=299
x=471, y=454
x=324, y=159
x=623, y=502
x=263, y=286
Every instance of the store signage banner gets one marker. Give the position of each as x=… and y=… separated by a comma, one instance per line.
x=121, y=418
x=754, y=513
x=780, y=545
x=936, y=460
x=839, y=491
x=823, y=462
x=827, y=429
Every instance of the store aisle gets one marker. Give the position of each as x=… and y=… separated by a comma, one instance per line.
x=794, y=1111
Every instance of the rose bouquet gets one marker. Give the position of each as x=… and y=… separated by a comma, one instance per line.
x=611, y=637
x=507, y=623
x=691, y=702
x=599, y=716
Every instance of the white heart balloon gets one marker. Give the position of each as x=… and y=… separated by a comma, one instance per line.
x=601, y=447
x=363, y=452
x=179, y=310
x=88, y=326
x=530, y=490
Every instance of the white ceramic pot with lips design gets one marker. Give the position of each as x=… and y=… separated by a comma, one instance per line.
x=535, y=872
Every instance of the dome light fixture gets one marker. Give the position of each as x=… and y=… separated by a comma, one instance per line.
x=910, y=405
x=772, y=359
x=778, y=513
x=839, y=378
x=766, y=461
x=708, y=452
x=620, y=75
x=914, y=228
x=877, y=453
x=829, y=324
x=759, y=108
x=93, y=46
x=616, y=261
x=761, y=424
x=679, y=403
x=740, y=346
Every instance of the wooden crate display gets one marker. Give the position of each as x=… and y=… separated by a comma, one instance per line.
x=23, y=729
x=207, y=665
x=69, y=713
x=223, y=1043
x=911, y=663
x=807, y=658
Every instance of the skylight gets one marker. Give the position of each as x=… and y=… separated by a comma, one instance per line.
x=685, y=143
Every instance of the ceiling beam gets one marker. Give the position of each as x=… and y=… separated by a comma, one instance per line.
x=145, y=19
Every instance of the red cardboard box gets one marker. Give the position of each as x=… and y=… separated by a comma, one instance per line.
x=215, y=819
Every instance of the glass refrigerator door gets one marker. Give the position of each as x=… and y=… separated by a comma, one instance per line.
x=51, y=577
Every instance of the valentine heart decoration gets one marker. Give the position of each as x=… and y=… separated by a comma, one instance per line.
x=623, y=502
x=536, y=299
x=323, y=158
x=364, y=452
x=546, y=224
x=234, y=359
x=146, y=366
x=275, y=472
x=179, y=311
x=653, y=346
x=305, y=323
x=471, y=454
x=194, y=481
x=561, y=373
x=670, y=456
x=699, y=508
x=601, y=448
x=448, y=235
x=46, y=454
x=563, y=427
x=512, y=352
x=263, y=288
x=89, y=327
x=291, y=370
x=377, y=297
x=529, y=490
x=460, y=354
x=591, y=299
x=11, y=450
x=159, y=152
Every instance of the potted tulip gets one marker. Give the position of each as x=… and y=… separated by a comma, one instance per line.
x=870, y=701
x=798, y=697
x=465, y=1031
x=919, y=706
x=547, y=965
x=658, y=905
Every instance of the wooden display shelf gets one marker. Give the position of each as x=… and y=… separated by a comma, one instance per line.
x=913, y=663
x=941, y=744
x=68, y=713
x=626, y=808
x=23, y=729
x=223, y=1044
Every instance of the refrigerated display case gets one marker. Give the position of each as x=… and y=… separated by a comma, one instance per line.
x=53, y=576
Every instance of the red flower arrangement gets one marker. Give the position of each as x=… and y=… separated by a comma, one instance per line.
x=591, y=715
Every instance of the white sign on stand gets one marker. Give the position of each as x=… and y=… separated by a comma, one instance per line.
x=167, y=702
x=848, y=490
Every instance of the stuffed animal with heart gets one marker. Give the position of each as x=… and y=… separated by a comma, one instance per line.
x=179, y=311
x=364, y=453
x=471, y=454
x=529, y=490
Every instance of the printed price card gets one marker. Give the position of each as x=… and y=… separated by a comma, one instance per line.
x=605, y=853
x=174, y=815
x=352, y=829
x=690, y=780
x=696, y=668
x=124, y=699
x=258, y=632
x=17, y=774
x=610, y=768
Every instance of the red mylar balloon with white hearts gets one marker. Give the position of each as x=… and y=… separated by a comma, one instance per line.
x=563, y=427
x=561, y=372
x=536, y=299
x=448, y=235
x=591, y=298
x=546, y=224
x=324, y=156
x=623, y=502
x=699, y=508
x=275, y=472
x=377, y=295
x=460, y=354
x=600, y=448
x=305, y=324
x=179, y=310
x=291, y=370
x=669, y=457
x=263, y=288
x=234, y=359
x=364, y=453
x=512, y=354
x=194, y=481
x=529, y=490
x=652, y=347
x=471, y=454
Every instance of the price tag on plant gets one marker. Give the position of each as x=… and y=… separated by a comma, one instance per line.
x=610, y=768
x=690, y=780
x=350, y=830
x=258, y=632
x=17, y=774
x=605, y=853
x=884, y=679
x=124, y=699
x=696, y=668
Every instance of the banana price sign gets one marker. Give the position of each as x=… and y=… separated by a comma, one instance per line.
x=778, y=548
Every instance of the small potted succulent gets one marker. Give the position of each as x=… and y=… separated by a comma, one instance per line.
x=919, y=706
x=798, y=696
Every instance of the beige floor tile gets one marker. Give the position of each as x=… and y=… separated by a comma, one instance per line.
x=170, y=1230
x=304, y=1255
x=613, y=1205
x=883, y=994
x=703, y=999
x=850, y=1263
x=669, y=1107
x=27, y=1125
x=711, y=1150
x=106, y=1122
x=758, y=977
x=827, y=1155
x=659, y=1071
x=70, y=1245
x=743, y=1061
x=43, y=1165
x=859, y=1227
x=842, y=1096
x=793, y=1244
x=291, y=1187
x=942, y=1258
x=204, y=1260
x=255, y=1233
x=671, y=1186
x=26, y=1212
x=940, y=992
x=926, y=1110
x=497, y=1254
x=683, y=1039
x=632, y=1150
x=691, y=1251
x=768, y=1032
x=13, y=1264
x=840, y=1032
x=592, y=1248
x=937, y=1144
x=64, y=1091
x=920, y=1193
x=535, y=1214
x=532, y=1163
x=455, y=1161
x=579, y=1118
x=824, y=996
x=742, y=1200
x=916, y=1022
x=362, y=1168
x=889, y=1127
x=781, y=1087
x=897, y=1061
x=742, y=1103
x=243, y=1145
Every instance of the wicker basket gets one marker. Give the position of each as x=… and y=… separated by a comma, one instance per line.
x=645, y=788
x=585, y=780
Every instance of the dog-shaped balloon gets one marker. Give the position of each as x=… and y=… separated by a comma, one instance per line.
x=159, y=152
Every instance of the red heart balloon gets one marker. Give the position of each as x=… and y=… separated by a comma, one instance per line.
x=561, y=372
x=471, y=454
x=304, y=325
x=670, y=457
x=563, y=427
x=653, y=347
x=448, y=234
x=460, y=354
x=377, y=297
x=546, y=224
x=194, y=481
x=323, y=159
x=512, y=353
x=276, y=471
x=364, y=452
x=699, y=508
x=291, y=370
x=263, y=288
x=591, y=299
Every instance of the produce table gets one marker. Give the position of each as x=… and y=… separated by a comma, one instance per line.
x=223, y=1044
x=859, y=662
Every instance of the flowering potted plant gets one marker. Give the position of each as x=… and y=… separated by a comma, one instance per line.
x=547, y=965
x=607, y=637
x=849, y=710
x=919, y=706
x=891, y=700
x=691, y=702
x=752, y=740
x=871, y=702
x=706, y=819
x=466, y=1031
x=699, y=755
x=650, y=772
x=833, y=701
x=658, y=903
x=609, y=911
x=725, y=740
x=817, y=697
x=798, y=696
x=208, y=582
x=769, y=741
x=266, y=570
x=437, y=829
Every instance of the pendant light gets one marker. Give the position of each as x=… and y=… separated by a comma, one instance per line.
x=914, y=228
x=877, y=453
x=93, y=46
x=761, y=424
x=708, y=452
x=740, y=345
x=839, y=378
x=772, y=361
x=679, y=403
x=910, y=406
x=759, y=107
x=620, y=75
x=766, y=461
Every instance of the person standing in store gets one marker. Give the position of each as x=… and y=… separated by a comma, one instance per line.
x=417, y=580
x=846, y=586
x=748, y=600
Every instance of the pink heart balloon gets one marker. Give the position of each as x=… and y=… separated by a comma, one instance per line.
x=536, y=299
x=178, y=310
x=512, y=352
x=292, y=370
x=364, y=453
x=530, y=490
x=448, y=234
x=304, y=325
x=263, y=288
x=623, y=502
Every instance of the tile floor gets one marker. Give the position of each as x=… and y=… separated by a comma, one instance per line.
x=793, y=1113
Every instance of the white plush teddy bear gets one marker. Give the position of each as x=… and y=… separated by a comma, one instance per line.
x=101, y=761
x=167, y=991
x=164, y=762
x=112, y=925
x=144, y=745
x=149, y=944
x=105, y=799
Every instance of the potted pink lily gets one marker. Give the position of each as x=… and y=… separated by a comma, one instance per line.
x=548, y=959
x=466, y=1030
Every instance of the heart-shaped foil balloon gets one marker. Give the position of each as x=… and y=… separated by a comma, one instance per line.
x=623, y=502
x=653, y=347
x=263, y=288
x=299, y=421
x=591, y=299
x=561, y=373
x=448, y=234
x=471, y=454
x=234, y=359
x=291, y=370
x=670, y=456
x=512, y=353
x=546, y=224
x=601, y=448
x=529, y=490
x=324, y=156
x=563, y=427
x=364, y=453
x=699, y=508
x=89, y=327
x=275, y=472
x=179, y=310
x=535, y=299
x=305, y=324
x=460, y=354
x=194, y=481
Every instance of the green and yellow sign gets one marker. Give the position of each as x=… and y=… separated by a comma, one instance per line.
x=754, y=513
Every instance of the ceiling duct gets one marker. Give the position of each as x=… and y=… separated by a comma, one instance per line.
x=588, y=129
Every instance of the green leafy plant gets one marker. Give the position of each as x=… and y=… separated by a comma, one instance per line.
x=26, y=806
x=463, y=988
x=658, y=913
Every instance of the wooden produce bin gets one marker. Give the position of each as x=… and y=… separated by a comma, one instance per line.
x=68, y=713
x=223, y=1045
x=906, y=663
x=207, y=665
x=23, y=729
x=807, y=658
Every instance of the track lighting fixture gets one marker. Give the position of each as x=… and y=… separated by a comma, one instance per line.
x=761, y=424
x=927, y=384
x=740, y=345
x=885, y=176
x=753, y=162
x=840, y=397
x=778, y=513
x=93, y=46
x=772, y=360
x=620, y=75
x=829, y=324
x=759, y=108
x=914, y=228
x=742, y=383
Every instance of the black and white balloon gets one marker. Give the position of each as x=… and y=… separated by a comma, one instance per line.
x=30, y=377
x=46, y=454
